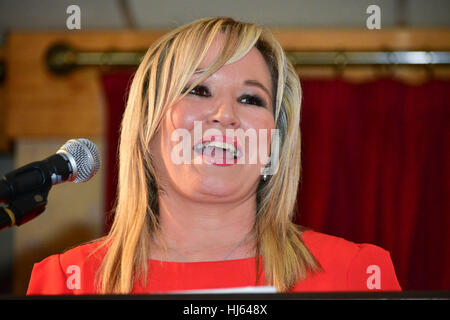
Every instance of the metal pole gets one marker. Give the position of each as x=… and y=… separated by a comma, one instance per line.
x=62, y=58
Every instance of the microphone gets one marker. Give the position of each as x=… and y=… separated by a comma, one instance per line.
x=25, y=189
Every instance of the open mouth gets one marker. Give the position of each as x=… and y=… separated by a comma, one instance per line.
x=219, y=150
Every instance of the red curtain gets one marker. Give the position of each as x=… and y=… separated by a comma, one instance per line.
x=375, y=168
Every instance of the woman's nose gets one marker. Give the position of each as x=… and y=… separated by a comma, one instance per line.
x=224, y=114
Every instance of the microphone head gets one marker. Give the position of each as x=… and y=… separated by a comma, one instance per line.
x=83, y=157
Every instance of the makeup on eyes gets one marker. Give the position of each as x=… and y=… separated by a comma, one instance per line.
x=259, y=85
x=203, y=91
x=254, y=100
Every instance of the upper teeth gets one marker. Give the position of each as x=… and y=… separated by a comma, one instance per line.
x=218, y=144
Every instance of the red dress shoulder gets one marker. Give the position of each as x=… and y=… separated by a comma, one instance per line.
x=347, y=266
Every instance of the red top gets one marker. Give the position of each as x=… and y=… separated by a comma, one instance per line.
x=347, y=266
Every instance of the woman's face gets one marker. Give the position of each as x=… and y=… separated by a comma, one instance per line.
x=217, y=132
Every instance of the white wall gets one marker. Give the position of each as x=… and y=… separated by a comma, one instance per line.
x=107, y=14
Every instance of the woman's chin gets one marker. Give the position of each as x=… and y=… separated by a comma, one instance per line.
x=216, y=189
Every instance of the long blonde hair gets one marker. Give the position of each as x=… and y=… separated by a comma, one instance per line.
x=159, y=81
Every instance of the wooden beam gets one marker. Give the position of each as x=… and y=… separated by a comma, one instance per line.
x=341, y=39
x=41, y=104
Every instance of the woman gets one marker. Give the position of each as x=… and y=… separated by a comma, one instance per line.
x=212, y=220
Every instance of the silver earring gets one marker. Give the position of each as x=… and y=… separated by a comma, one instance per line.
x=265, y=170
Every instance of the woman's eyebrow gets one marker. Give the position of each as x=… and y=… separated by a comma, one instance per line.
x=257, y=84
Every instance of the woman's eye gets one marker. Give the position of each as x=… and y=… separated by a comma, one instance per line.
x=200, y=91
x=253, y=100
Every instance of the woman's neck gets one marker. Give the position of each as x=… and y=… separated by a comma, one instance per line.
x=203, y=231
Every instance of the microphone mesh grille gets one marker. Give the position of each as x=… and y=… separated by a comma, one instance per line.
x=85, y=157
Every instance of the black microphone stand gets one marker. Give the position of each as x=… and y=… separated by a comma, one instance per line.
x=24, y=207
x=24, y=191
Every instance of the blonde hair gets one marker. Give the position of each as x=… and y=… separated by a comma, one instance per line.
x=159, y=81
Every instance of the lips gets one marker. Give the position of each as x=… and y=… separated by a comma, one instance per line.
x=219, y=150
